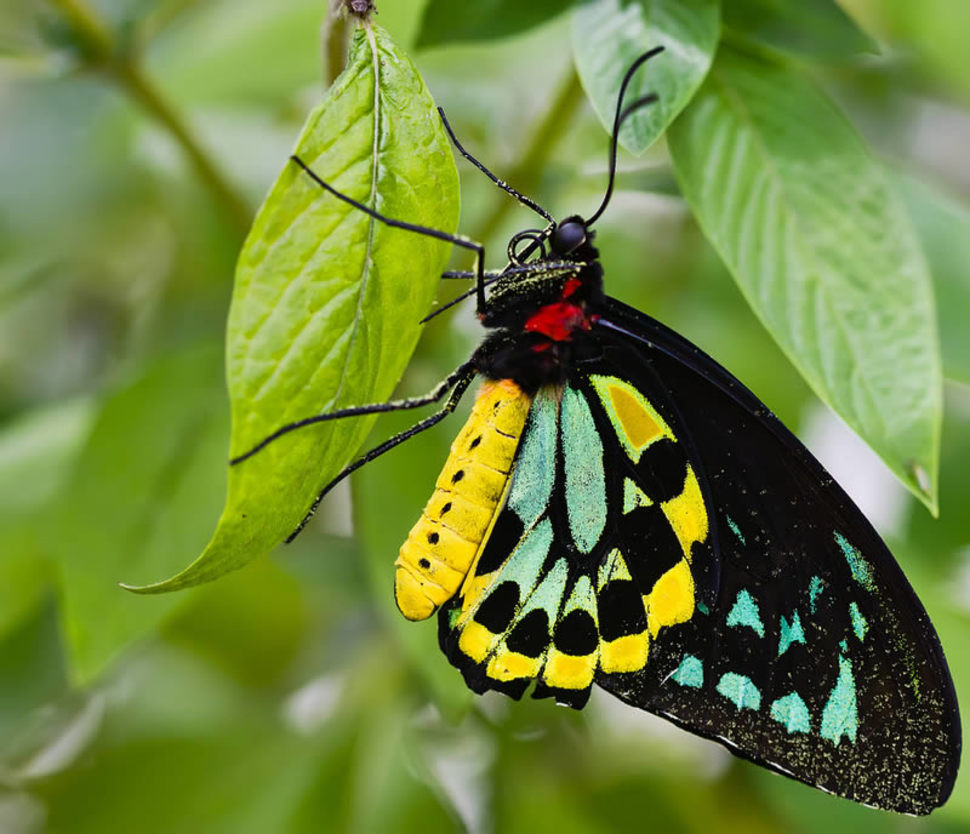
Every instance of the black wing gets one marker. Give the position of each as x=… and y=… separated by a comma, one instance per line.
x=817, y=659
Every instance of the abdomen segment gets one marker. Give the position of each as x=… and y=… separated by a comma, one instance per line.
x=443, y=544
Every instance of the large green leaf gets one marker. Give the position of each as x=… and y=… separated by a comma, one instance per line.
x=815, y=28
x=823, y=250
x=327, y=300
x=608, y=35
x=483, y=19
x=943, y=224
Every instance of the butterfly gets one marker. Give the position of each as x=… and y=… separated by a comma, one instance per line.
x=620, y=510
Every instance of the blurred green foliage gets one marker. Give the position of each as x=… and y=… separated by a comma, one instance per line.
x=137, y=139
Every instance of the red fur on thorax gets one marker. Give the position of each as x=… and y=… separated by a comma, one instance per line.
x=558, y=321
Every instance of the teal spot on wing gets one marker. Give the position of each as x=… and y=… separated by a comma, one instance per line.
x=861, y=569
x=740, y=691
x=703, y=608
x=790, y=633
x=548, y=594
x=534, y=473
x=745, y=613
x=585, y=478
x=843, y=645
x=840, y=715
x=583, y=597
x=735, y=529
x=859, y=624
x=792, y=713
x=814, y=591
x=690, y=672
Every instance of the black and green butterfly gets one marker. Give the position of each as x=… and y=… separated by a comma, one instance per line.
x=620, y=510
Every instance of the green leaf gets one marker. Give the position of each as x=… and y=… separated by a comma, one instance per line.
x=937, y=29
x=814, y=28
x=943, y=224
x=823, y=251
x=327, y=301
x=144, y=491
x=608, y=35
x=37, y=450
x=444, y=22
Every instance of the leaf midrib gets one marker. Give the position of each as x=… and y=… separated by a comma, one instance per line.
x=366, y=268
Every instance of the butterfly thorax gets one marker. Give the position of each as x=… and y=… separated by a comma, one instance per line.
x=542, y=318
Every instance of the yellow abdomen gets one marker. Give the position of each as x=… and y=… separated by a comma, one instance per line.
x=443, y=545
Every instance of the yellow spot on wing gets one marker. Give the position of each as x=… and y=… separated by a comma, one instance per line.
x=671, y=600
x=476, y=641
x=507, y=666
x=625, y=654
x=567, y=671
x=638, y=424
x=687, y=514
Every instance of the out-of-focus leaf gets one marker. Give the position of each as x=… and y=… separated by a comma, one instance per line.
x=251, y=625
x=444, y=22
x=36, y=453
x=943, y=224
x=822, y=248
x=144, y=492
x=609, y=35
x=280, y=42
x=327, y=300
x=227, y=783
x=814, y=28
x=937, y=28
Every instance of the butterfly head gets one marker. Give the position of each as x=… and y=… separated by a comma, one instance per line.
x=569, y=237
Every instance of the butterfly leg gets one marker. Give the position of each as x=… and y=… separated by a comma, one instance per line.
x=460, y=380
x=465, y=370
x=427, y=231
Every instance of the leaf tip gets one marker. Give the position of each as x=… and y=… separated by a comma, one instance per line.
x=926, y=491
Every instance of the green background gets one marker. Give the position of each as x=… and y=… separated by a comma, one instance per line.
x=291, y=696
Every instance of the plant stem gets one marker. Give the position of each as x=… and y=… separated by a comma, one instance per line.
x=335, y=59
x=102, y=52
x=526, y=173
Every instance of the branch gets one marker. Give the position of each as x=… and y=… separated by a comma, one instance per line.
x=102, y=51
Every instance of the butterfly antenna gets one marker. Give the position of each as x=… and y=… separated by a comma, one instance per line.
x=618, y=119
x=526, y=201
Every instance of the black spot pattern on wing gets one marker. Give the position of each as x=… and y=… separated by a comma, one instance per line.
x=497, y=609
x=576, y=634
x=648, y=544
x=530, y=636
x=620, y=608
x=662, y=469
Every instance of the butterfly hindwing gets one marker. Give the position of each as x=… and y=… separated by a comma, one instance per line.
x=603, y=541
x=816, y=659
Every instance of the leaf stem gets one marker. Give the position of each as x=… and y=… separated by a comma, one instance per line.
x=102, y=51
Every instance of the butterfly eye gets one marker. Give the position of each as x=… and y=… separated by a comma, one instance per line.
x=568, y=236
